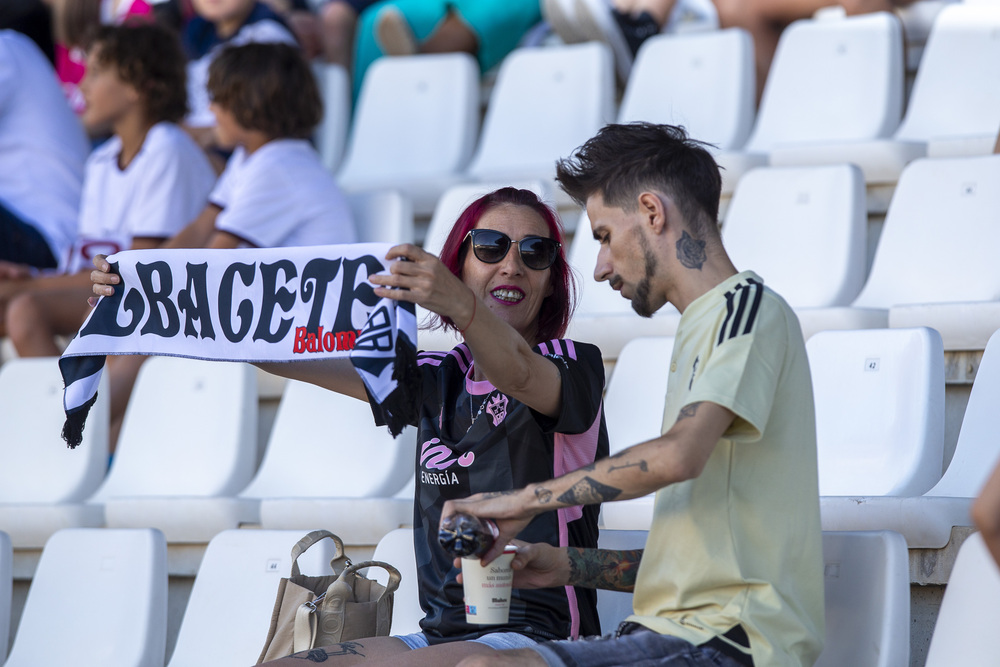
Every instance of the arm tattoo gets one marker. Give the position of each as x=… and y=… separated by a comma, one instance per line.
x=497, y=494
x=688, y=411
x=589, y=492
x=641, y=465
x=600, y=568
x=321, y=654
x=691, y=251
x=544, y=495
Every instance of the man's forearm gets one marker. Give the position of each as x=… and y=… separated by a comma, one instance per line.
x=602, y=568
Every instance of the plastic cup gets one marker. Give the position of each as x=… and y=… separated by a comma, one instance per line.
x=487, y=589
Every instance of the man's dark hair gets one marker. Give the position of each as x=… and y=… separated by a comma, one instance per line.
x=268, y=87
x=622, y=161
x=148, y=58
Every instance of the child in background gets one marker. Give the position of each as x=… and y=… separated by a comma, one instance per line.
x=274, y=192
x=140, y=187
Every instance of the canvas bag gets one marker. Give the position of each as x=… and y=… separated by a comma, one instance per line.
x=312, y=611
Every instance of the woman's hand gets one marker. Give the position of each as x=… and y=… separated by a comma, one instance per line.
x=102, y=279
x=424, y=280
x=536, y=566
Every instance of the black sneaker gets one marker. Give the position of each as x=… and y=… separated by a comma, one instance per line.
x=635, y=29
x=622, y=32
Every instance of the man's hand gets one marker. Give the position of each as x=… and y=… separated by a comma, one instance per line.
x=536, y=566
x=507, y=508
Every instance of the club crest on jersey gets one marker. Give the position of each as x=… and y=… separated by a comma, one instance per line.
x=497, y=407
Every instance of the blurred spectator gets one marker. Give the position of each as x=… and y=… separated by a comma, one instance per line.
x=32, y=18
x=42, y=151
x=140, y=187
x=324, y=28
x=986, y=513
x=487, y=29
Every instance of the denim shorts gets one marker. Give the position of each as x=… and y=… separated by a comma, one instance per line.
x=640, y=647
x=495, y=640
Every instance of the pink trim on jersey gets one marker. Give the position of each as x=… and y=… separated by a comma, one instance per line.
x=433, y=360
x=571, y=601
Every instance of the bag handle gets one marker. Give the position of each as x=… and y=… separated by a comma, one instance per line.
x=390, y=587
x=339, y=558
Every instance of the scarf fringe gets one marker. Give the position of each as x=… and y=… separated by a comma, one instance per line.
x=72, y=431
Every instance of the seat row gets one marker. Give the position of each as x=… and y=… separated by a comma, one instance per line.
x=835, y=94
x=112, y=591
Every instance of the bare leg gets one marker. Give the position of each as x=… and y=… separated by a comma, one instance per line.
x=396, y=37
x=386, y=652
x=515, y=658
x=339, y=21
x=35, y=318
x=453, y=35
x=764, y=30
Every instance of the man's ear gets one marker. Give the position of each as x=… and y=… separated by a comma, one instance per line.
x=653, y=208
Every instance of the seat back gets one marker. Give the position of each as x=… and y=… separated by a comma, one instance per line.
x=240, y=570
x=866, y=580
x=31, y=411
x=6, y=589
x=415, y=116
x=939, y=239
x=956, y=92
x=546, y=102
x=703, y=81
x=190, y=429
x=331, y=134
x=978, y=449
x=327, y=431
x=396, y=548
x=383, y=216
x=637, y=391
x=817, y=211
x=967, y=622
x=879, y=410
x=109, y=587
x=832, y=81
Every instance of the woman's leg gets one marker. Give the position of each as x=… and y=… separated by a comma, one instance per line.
x=385, y=652
x=34, y=319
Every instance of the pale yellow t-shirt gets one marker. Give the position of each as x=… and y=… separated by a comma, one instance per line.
x=741, y=543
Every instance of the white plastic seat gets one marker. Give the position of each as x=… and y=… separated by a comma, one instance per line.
x=188, y=445
x=703, y=81
x=546, y=102
x=6, y=589
x=926, y=274
x=817, y=214
x=926, y=521
x=415, y=126
x=879, y=410
x=633, y=408
x=603, y=316
x=31, y=412
x=240, y=572
x=109, y=588
x=830, y=82
x=965, y=631
x=359, y=468
x=331, y=134
x=866, y=577
x=396, y=548
x=953, y=110
x=384, y=216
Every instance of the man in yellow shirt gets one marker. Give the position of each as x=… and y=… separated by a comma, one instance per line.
x=732, y=569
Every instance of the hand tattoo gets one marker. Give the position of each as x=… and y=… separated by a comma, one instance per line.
x=589, y=492
x=691, y=251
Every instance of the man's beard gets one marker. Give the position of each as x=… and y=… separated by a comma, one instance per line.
x=640, y=301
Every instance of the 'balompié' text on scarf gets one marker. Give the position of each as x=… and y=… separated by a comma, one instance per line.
x=254, y=305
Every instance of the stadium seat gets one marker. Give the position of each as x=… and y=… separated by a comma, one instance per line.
x=415, y=126
x=358, y=468
x=396, y=548
x=98, y=598
x=953, y=110
x=188, y=445
x=331, y=134
x=803, y=230
x=546, y=102
x=633, y=409
x=613, y=607
x=866, y=577
x=879, y=410
x=31, y=412
x=6, y=589
x=924, y=272
x=965, y=631
x=239, y=574
x=703, y=81
x=926, y=521
x=384, y=216
x=830, y=81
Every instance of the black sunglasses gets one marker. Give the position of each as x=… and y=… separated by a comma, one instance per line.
x=490, y=246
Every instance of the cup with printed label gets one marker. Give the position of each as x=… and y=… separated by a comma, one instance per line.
x=487, y=589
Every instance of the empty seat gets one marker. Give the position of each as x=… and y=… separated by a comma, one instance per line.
x=703, y=81
x=31, y=412
x=239, y=573
x=965, y=631
x=866, y=580
x=396, y=548
x=100, y=595
x=6, y=589
x=879, y=411
x=546, y=102
x=926, y=521
x=383, y=216
x=830, y=81
x=415, y=126
x=331, y=134
x=188, y=445
x=362, y=468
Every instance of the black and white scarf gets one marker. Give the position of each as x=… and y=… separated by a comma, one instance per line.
x=253, y=305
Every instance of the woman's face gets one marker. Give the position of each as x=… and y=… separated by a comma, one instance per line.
x=108, y=99
x=509, y=288
x=223, y=11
